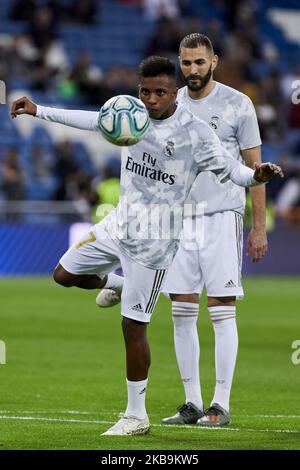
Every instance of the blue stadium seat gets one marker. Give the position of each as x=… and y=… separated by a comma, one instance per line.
x=42, y=136
x=13, y=27
x=82, y=158
x=41, y=190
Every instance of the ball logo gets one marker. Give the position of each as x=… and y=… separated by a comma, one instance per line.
x=169, y=149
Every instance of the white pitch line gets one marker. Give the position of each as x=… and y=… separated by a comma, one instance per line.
x=59, y=420
x=63, y=420
x=117, y=413
x=277, y=416
x=62, y=412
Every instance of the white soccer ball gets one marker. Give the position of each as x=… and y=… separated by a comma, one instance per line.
x=123, y=120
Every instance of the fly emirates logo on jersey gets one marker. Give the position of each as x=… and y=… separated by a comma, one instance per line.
x=147, y=169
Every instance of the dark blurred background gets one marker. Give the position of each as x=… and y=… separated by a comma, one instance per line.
x=77, y=54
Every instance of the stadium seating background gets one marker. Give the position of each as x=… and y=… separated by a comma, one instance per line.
x=117, y=37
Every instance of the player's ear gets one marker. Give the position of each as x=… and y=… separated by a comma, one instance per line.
x=214, y=62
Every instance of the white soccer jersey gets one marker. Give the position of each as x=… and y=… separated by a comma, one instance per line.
x=157, y=175
x=231, y=115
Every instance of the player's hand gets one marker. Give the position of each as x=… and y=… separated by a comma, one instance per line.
x=257, y=244
x=23, y=106
x=264, y=172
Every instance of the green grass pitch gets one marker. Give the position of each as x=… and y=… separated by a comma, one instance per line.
x=64, y=381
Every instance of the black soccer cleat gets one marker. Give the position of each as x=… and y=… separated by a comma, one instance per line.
x=187, y=414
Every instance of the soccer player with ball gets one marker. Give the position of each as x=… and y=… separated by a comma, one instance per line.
x=158, y=172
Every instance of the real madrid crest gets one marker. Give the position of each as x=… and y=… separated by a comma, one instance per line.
x=214, y=122
x=169, y=149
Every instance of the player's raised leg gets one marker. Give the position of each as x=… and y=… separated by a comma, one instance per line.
x=107, y=297
x=83, y=281
x=87, y=264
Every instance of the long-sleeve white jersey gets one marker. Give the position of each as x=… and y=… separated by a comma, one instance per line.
x=231, y=115
x=156, y=176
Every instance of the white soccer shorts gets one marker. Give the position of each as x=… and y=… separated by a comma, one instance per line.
x=97, y=253
x=213, y=261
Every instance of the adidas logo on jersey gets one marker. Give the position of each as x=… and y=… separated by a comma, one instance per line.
x=230, y=284
x=137, y=308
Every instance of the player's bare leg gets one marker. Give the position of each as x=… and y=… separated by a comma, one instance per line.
x=185, y=314
x=223, y=315
x=112, y=282
x=135, y=419
x=137, y=349
x=89, y=281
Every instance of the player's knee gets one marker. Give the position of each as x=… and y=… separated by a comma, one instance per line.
x=62, y=277
x=133, y=330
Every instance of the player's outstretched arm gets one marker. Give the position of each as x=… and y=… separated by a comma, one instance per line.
x=85, y=120
x=212, y=156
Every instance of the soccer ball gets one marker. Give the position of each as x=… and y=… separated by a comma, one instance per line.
x=123, y=120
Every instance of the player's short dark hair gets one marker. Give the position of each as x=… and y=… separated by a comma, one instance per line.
x=155, y=65
x=193, y=40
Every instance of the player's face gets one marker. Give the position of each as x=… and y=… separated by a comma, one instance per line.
x=197, y=65
x=158, y=95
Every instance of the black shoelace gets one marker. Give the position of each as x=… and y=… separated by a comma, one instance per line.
x=185, y=410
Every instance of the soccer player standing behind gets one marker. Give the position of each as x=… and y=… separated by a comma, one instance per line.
x=217, y=265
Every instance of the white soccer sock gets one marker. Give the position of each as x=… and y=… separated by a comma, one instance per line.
x=226, y=347
x=187, y=349
x=114, y=282
x=136, y=401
